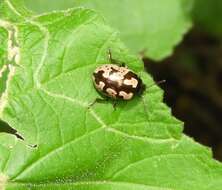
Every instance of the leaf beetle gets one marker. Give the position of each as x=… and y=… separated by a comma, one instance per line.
x=116, y=81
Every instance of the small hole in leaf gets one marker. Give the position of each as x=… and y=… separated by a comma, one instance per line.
x=33, y=146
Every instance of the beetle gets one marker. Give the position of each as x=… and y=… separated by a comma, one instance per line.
x=116, y=81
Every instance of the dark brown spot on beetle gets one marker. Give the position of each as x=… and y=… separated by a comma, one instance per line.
x=98, y=77
x=130, y=75
x=114, y=70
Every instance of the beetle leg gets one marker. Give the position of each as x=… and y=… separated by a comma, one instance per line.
x=103, y=100
x=114, y=105
x=122, y=64
x=98, y=100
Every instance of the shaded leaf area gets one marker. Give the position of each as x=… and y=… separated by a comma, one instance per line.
x=5, y=128
x=207, y=16
x=3, y=57
x=193, y=87
x=150, y=26
x=4, y=76
x=137, y=146
x=3, y=47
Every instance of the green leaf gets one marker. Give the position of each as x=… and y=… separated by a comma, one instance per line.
x=152, y=26
x=3, y=47
x=4, y=70
x=70, y=145
x=42, y=6
x=207, y=15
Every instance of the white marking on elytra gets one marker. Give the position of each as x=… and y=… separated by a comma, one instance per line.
x=107, y=72
x=100, y=85
x=133, y=82
x=111, y=92
x=121, y=71
x=117, y=77
x=126, y=96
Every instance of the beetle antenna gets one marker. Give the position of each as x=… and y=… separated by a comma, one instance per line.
x=156, y=83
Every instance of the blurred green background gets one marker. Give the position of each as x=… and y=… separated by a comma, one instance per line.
x=194, y=76
x=193, y=72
